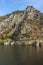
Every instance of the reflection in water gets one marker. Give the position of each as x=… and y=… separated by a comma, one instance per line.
x=21, y=55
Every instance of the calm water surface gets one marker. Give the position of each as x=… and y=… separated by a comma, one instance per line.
x=21, y=55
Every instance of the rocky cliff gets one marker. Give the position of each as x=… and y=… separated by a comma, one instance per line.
x=27, y=24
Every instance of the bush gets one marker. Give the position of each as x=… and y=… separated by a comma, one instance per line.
x=34, y=43
x=9, y=36
x=23, y=43
x=28, y=34
x=1, y=42
x=8, y=30
x=3, y=36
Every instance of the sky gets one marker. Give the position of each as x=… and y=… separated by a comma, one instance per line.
x=8, y=6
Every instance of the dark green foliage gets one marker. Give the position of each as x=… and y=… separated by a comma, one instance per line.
x=10, y=36
x=23, y=43
x=28, y=34
x=34, y=43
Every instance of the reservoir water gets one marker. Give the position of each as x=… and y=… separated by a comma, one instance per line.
x=21, y=55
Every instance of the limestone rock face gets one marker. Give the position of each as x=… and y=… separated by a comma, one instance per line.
x=33, y=13
x=22, y=22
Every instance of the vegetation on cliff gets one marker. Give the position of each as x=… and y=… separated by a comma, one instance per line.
x=20, y=25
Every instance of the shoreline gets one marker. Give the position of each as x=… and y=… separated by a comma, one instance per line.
x=33, y=43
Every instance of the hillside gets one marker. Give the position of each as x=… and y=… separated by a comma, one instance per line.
x=21, y=25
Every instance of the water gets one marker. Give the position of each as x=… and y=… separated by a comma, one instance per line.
x=21, y=55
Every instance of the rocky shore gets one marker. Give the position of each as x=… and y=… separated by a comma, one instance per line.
x=34, y=43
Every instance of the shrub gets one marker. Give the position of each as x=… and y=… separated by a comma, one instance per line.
x=9, y=36
x=23, y=43
x=7, y=30
x=34, y=43
x=1, y=42
x=28, y=34
x=3, y=36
